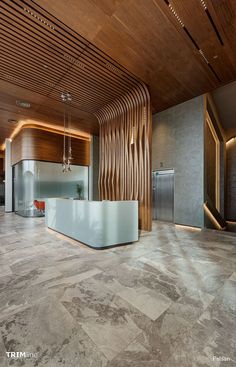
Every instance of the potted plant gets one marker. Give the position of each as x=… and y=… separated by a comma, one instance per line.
x=80, y=191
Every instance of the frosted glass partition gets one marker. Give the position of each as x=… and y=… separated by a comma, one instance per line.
x=35, y=180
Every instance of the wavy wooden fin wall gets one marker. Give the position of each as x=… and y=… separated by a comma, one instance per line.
x=125, y=151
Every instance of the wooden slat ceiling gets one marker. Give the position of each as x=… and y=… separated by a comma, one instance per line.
x=160, y=41
x=179, y=48
x=40, y=58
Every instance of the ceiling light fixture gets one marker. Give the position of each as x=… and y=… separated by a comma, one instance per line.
x=203, y=55
x=113, y=68
x=23, y=104
x=231, y=140
x=176, y=15
x=203, y=4
x=67, y=150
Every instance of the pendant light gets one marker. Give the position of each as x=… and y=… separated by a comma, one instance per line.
x=67, y=150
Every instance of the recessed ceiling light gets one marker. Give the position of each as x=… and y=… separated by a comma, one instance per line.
x=23, y=104
x=204, y=4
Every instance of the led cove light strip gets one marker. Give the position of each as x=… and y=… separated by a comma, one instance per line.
x=77, y=134
x=212, y=218
x=181, y=226
x=231, y=140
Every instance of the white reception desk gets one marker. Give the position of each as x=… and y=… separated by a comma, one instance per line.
x=97, y=224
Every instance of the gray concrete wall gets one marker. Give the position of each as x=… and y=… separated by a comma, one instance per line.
x=178, y=142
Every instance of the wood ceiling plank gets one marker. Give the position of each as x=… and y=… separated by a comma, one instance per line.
x=85, y=13
x=81, y=71
x=205, y=36
x=29, y=70
x=92, y=87
x=36, y=57
x=224, y=15
x=142, y=40
x=38, y=29
x=159, y=41
x=168, y=74
x=108, y=7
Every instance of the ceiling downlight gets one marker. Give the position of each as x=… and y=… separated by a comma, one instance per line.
x=23, y=104
x=203, y=4
x=113, y=68
x=74, y=60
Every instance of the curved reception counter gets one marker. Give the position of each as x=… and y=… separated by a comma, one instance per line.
x=98, y=224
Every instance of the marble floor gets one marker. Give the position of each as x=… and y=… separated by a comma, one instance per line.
x=169, y=300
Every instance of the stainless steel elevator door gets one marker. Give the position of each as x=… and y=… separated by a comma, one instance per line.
x=163, y=195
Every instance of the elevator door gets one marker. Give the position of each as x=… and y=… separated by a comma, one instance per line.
x=163, y=195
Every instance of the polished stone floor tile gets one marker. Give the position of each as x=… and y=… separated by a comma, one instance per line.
x=134, y=355
x=212, y=337
x=233, y=277
x=168, y=300
x=49, y=330
x=5, y=270
x=149, y=302
x=93, y=307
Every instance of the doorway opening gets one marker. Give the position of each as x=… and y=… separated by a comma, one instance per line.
x=163, y=195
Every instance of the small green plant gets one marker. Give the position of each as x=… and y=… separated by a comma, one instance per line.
x=80, y=190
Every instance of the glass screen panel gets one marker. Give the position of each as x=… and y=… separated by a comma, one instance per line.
x=34, y=181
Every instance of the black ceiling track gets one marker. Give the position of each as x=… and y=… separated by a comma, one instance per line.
x=214, y=26
x=193, y=40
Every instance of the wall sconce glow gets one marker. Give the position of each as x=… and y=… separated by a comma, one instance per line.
x=181, y=226
x=231, y=140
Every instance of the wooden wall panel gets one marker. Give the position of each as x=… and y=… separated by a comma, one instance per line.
x=231, y=181
x=210, y=164
x=125, y=152
x=43, y=145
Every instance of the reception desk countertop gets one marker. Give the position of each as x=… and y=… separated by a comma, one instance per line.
x=98, y=224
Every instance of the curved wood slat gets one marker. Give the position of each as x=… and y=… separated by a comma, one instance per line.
x=125, y=153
